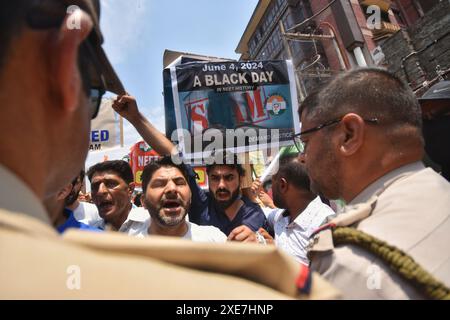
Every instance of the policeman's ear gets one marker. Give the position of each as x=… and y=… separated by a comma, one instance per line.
x=351, y=134
x=64, y=59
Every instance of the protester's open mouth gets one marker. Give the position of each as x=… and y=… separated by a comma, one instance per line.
x=172, y=206
x=105, y=206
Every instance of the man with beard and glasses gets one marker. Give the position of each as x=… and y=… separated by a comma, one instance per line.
x=361, y=141
x=83, y=211
x=167, y=197
x=223, y=206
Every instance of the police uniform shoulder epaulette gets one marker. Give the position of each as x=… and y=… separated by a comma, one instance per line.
x=354, y=214
x=339, y=231
x=321, y=239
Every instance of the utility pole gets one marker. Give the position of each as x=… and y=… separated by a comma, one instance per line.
x=331, y=36
x=290, y=56
x=121, y=131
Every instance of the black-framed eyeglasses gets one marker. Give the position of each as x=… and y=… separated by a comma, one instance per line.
x=301, y=145
x=50, y=14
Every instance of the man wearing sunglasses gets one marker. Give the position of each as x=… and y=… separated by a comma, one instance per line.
x=53, y=72
x=362, y=143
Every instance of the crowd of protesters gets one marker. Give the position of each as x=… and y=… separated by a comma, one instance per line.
x=383, y=188
x=361, y=143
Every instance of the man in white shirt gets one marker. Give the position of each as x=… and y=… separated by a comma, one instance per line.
x=301, y=211
x=87, y=213
x=112, y=187
x=167, y=197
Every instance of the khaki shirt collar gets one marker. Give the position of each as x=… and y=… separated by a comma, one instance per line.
x=16, y=196
x=382, y=183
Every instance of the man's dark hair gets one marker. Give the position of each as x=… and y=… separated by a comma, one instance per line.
x=370, y=92
x=119, y=167
x=157, y=164
x=293, y=171
x=225, y=159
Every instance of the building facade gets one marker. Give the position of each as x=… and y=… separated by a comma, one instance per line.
x=263, y=38
x=324, y=37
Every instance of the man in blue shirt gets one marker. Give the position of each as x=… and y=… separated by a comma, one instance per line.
x=72, y=223
x=223, y=206
x=64, y=217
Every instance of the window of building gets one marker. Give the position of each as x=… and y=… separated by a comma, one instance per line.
x=276, y=6
x=258, y=35
x=262, y=55
x=270, y=16
x=251, y=47
x=273, y=41
x=287, y=19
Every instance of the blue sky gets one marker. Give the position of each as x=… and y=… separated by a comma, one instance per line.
x=138, y=31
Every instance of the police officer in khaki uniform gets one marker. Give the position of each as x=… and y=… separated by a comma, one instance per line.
x=361, y=142
x=53, y=72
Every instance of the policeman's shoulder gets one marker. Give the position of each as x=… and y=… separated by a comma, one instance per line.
x=321, y=239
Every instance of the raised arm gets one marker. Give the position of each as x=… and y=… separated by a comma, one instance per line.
x=126, y=106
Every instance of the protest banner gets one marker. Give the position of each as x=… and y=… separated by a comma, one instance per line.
x=202, y=177
x=105, y=128
x=252, y=104
x=140, y=155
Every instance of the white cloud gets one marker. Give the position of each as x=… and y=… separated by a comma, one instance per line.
x=156, y=116
x=122, y=24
